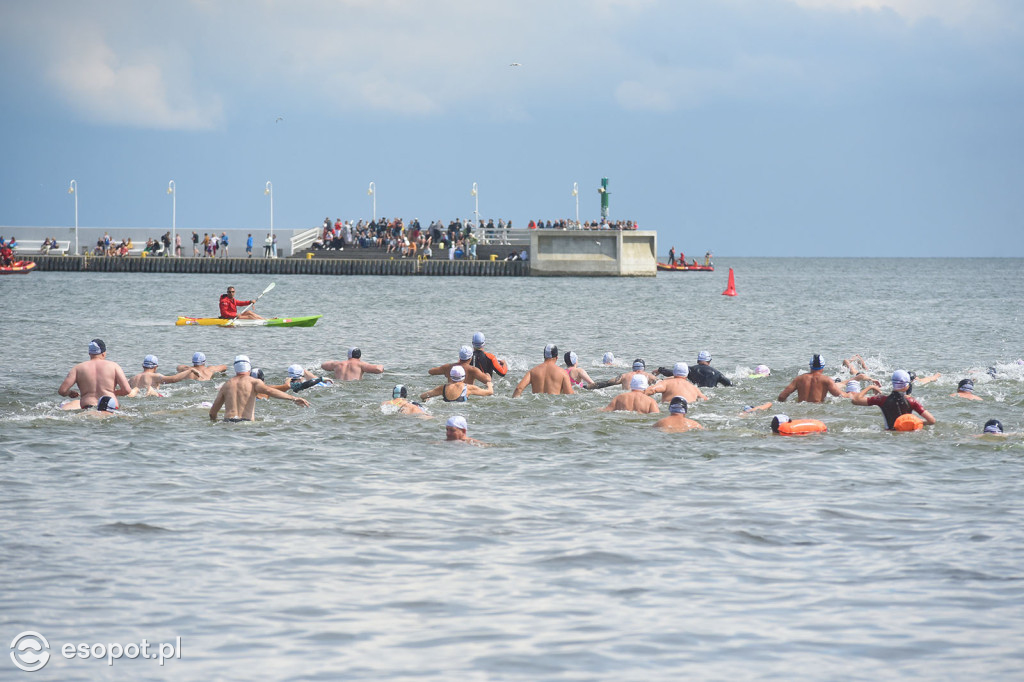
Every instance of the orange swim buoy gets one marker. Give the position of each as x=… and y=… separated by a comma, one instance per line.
x=802, y=427
x=908, y=422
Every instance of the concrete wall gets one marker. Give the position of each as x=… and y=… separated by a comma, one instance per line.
x=87, y=236
x=593, y=253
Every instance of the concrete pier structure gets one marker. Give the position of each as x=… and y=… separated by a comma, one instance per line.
x=593, y=253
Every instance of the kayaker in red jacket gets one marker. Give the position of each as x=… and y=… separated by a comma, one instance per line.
x=229, y=307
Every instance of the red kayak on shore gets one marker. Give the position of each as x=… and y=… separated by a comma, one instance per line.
x=18, y=267
x=683, y=267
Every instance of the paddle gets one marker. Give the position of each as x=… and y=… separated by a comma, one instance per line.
x=232, y=322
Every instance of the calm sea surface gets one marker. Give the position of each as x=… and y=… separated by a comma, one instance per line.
x=342, y=542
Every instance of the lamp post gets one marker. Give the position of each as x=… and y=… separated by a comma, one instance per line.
x=576, y=193
x=174, y=214
x=73, y=189
x=270, y=191
x=373, y=193
x=476, y=203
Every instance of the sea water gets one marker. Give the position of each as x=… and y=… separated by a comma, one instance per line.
x=346, y=542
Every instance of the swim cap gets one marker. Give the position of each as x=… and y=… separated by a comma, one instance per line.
x=242, y=364
x=638, y=383
x=703, y=356
x=150, y=361
x=639, y=365
x=677, y=405
x=608, y=358
x=465, y=353
x=913, y=375
x=965, y=386
x=457, y=422
x=97, y=347
x=817, y=362
x=399, y=391
x=457, y=373
x=762, y=370
x=900, y=379
x=680, y=369
x=993, y=426
x=354, y=353
x=198, y=358
x=853, y=386
x=107, y=403
x=478, y=340
x=257, y=374
x=779, y=419
x=550, y=351
x=295, y=371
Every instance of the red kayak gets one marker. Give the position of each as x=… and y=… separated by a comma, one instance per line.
x=18, y=267
x=684, y=267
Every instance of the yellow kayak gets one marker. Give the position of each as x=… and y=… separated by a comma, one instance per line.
x=306, y=321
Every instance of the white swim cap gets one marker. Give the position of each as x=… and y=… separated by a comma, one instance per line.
x=573, y=358
x=853, y=386
x=762, y=370
x=97, y=347
x=900, y=379
x=550, y=351
x=478, y=340
x=198, y=358
x=242, y=364
x=457, y=373
x=638, y=383
x=465, y=353
x=150, y=361
x=680, y=369
x=295, y=371
x=608, y=358
x=703, y=356
x=458, y=422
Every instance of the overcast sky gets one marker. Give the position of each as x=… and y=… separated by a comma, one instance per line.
x=747, y=127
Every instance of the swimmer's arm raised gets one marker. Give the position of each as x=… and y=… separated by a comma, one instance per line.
x=371, y=369
x=274, y=393
x=180, y=376
x=436, y=391
x=442, y=370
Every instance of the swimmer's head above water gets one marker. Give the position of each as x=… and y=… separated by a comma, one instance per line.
x=817, y=362
x=678, y=405
x=242, y=364
x=680, y=369
x=638, y=383
x=97, y=347
x=150, y=362
x=198, y=358
x=478, y=340
x=354, y=353
x=550, y=351
x=608, y=359
x=399, y=391
x=465, y=353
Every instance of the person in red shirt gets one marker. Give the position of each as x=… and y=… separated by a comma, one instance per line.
x=896, y=403
x=229, y=307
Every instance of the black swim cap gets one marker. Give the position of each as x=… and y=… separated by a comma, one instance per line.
x=257, y=374
x=993, y=426
x=399, y=391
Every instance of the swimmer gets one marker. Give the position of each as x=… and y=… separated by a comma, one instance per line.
x=546, y=377
x=624, y=379
x=678, y=385
x=96, y=378
x=485, y=361
x=203, y=372
x=914, y=380
x=351, y=369
x=148, y=379
x=704, y=375
x=994, y=427
x=457, y=390
x=965, y=389
x=300, y=379
x=760, y=372
x=896, y=403
x=677, y=419
x=473, y=374
x=608, y=359
x=634, y=400
x=751, y=409
x=106, y=407
x=577, y=375
x=399, y=398
x=456, y=429
x=237, y=395
x=813, y=386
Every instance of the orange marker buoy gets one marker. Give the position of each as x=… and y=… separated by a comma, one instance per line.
x=730, y=290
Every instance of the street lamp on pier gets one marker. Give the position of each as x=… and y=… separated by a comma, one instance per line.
x=476, y=203
x=270, y=192
x=73, y=189
x=174, y=215
x=373, y=193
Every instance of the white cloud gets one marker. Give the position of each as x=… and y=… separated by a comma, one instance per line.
x=130, y=90
x=951, y=12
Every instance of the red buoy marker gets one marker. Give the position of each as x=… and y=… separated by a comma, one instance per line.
x=731, y=289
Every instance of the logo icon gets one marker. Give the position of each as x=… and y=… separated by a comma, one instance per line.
x=31, y=651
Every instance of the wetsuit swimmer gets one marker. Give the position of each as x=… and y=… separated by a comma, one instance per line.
x=300, y=379
x=704, y=375
x=485, y=361
x=896, y=403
